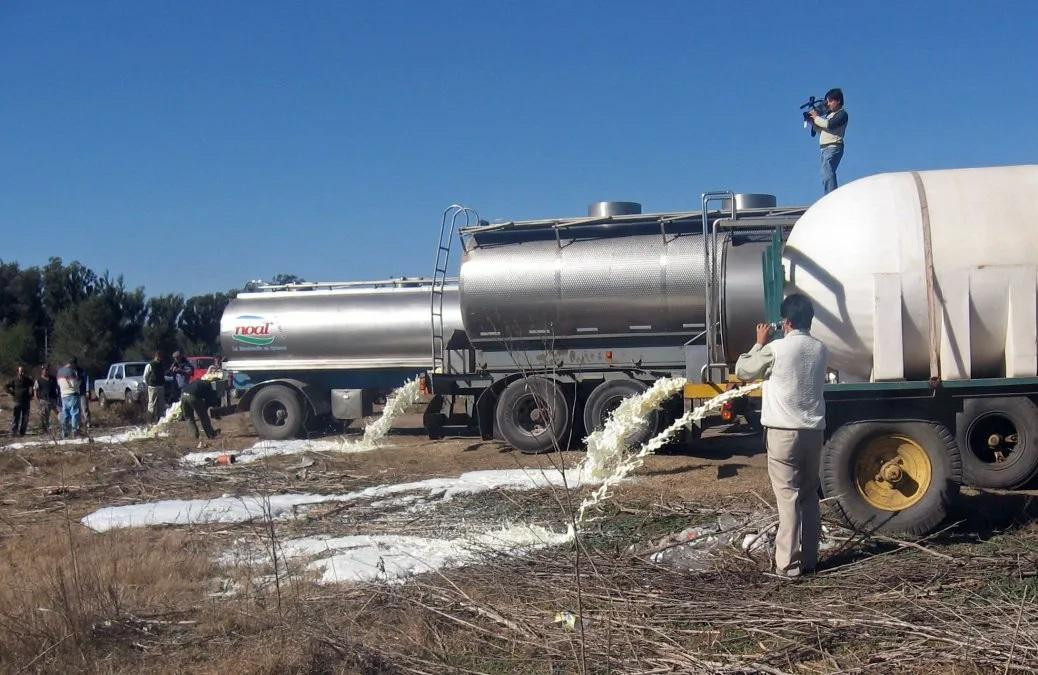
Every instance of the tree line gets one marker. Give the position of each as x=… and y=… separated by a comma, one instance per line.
x=59, y=310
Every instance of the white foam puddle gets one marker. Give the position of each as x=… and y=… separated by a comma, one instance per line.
x=264, y=449
x=397, y=404
x=128, y=435
x=237, y=509
x=365, y=557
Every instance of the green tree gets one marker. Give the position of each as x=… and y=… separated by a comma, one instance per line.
x=160, y=329
x=17, y=347
x=100, y=328
x=200, y=321
x=63, y=286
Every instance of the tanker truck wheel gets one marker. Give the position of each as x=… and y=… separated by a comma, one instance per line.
x=277, y=413
x=533, y=415
x=892, y=476
x=606, y=397
x=999, y=441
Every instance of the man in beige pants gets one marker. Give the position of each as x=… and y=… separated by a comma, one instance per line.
x=793, y=414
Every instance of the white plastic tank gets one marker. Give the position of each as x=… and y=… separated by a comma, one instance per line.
x=859, y=254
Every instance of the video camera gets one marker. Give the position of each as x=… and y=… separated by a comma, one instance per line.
x=816, y=104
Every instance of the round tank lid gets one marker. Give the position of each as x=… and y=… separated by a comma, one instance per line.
x=750, y=200
x=604, y=209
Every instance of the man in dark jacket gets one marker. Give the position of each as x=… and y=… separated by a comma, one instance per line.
x=20, y=388
x=196, y=399
x=155, y=378
x=48, y=399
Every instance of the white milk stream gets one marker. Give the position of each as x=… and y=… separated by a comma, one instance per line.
x=397, y=404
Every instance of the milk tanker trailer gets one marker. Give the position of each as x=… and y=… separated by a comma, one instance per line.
x=564, y=318
x=318, y=353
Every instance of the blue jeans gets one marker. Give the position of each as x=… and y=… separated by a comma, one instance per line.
x=70, y=410
x=831, y=156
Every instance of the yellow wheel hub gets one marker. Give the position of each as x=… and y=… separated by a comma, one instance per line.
x=892, y=472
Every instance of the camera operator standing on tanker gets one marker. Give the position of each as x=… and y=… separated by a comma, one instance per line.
x=831, y=129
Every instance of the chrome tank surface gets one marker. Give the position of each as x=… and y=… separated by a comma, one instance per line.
x=631, y=286
x=361, y=327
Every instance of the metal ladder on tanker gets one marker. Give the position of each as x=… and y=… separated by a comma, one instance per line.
x=452, y=216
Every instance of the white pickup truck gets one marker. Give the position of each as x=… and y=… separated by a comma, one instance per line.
x=125, y=382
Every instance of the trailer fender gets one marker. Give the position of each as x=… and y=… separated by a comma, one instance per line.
x=317, y=399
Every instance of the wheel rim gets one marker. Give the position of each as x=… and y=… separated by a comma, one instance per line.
x=532, y=417
x=275, y=413
x=892, y=472
x=608, y=406
x=994, y=439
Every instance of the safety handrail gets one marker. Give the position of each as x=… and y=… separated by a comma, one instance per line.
x=448, y=226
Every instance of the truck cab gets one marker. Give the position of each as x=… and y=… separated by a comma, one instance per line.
x=124, y=382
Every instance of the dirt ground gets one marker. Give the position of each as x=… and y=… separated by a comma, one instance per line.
x=165, y=598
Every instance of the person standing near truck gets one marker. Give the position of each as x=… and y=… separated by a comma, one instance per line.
x=48, y=398
x=84, y=397
x=196, y=399
x=155, y=379
x=20, y=388
x=181, y=370
x=793, y=415
x=831, y=129
x=69, y=386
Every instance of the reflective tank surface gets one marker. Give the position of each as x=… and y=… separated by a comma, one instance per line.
x=627, y=286
x=355, y=326
x=859, y=254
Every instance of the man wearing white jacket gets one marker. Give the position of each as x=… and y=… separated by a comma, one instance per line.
x=793, y=414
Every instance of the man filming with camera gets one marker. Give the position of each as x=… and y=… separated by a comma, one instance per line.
x=831, y=125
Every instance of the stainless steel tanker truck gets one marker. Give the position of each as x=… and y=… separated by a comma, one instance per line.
x=563, y=318
x=322, y=352
x=594, y=308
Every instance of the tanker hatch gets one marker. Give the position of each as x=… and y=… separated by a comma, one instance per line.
x=745, y=200
x=605, y=209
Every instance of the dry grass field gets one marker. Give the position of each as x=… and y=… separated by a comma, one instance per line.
x=245, y=596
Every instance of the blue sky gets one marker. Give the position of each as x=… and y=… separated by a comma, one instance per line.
x=191, y=146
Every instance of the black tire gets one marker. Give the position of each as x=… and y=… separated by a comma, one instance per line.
x=102, y=400
x=983, y=419
x=849, y=446
x=277, y=413
x=533, y=415
x=129, y=396
x=604, y=399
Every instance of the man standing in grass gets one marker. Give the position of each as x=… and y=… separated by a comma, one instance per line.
x=793, y=415
x=20, y=389
x=155, y=379
x=69, y=386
